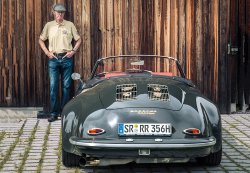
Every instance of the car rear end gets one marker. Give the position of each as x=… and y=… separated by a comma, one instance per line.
x=153, y=124
x=131, y=111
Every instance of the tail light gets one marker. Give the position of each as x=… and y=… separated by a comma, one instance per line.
x=96, y=131
x=192, y=131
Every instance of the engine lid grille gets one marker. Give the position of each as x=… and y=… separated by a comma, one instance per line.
x=158, y=92
x=126, y=92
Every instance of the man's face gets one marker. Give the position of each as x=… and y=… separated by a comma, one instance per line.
x=59, y=15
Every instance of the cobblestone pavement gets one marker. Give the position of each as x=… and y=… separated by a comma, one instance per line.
x=28, y=144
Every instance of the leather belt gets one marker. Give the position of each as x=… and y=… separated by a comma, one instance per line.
x=60, y=54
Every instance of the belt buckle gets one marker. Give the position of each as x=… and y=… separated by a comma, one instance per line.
x=59, y=55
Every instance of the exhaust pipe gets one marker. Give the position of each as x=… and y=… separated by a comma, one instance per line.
x=82, y=162
x=90, y=161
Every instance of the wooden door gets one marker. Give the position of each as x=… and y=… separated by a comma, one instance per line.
x=239, y=55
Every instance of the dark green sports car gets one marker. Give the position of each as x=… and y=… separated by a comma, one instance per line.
x=139, y=108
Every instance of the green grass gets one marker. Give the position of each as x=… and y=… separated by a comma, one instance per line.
x=232, y=126
x=59, y=153
x=77, y=170
x=7, y=155
x=46, y=137
x=2, y=134
x=27, y=149
x=232, y=146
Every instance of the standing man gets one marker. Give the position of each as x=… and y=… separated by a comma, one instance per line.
x=60, y=51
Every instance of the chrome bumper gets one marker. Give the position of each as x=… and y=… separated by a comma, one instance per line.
x=189, y=143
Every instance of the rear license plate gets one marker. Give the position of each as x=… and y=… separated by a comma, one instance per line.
x=144, y=129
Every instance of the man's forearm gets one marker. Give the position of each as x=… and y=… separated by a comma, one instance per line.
x=43, y=46
x=77, y=45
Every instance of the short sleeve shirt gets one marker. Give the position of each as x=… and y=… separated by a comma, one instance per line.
x=60, y=35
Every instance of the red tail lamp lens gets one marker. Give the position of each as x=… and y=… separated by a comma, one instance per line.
x=192, y=131
x=96, y=131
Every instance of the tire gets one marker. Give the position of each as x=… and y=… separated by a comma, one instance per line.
x=69, y=159
x=213, y=159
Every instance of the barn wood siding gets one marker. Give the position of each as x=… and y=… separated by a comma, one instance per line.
x=186, y=29
x=224, y=88
x=239, y=62
x=247, y=54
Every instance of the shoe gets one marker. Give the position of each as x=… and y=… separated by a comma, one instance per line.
x=53, y=118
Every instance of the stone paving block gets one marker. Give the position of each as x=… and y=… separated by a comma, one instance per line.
x=8, y=140
x=68, y=171
x=236, y=148
x=51, y=152
x=237, y=171
x=32, y=160
x=49, y=168
x=238, y=158
x=30, y=169
x=10, y=167
x=40, y=136
x=233, y=168
x=32, y=165
x=247, y=161
x=230, y=151
x=53, y=143
x=229, y=164
x=34, y=157
x=17, y=161
x=37, y=142
x=3, y=149
x=51, y=157
x=36, y=149
x=245, y=165
x=214, y=168
x=49, y=163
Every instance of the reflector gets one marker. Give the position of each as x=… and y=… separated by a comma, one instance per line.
x=192, y=131
x=96, y=131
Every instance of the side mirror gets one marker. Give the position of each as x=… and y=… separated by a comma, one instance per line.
x=77, y=76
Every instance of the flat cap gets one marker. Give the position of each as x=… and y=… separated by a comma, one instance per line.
x=59, y=7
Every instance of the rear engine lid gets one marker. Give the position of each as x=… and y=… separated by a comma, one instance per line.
x=146, y=95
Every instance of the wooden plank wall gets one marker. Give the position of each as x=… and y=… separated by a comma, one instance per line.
x=244, y=54
x=186, y=29
x=247, y=54
x=224, y=89
x=239, y=62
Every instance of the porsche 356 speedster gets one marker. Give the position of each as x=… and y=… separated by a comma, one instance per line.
x=142, y=109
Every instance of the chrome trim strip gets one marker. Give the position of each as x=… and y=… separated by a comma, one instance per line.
x=210, y=142
x=169, y=57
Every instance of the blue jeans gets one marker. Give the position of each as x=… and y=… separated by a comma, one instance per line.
x=64, y=68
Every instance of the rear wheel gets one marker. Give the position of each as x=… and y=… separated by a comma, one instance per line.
x=212, y=159
x=69, y=159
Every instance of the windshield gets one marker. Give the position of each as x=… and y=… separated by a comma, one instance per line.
x=122, y=65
